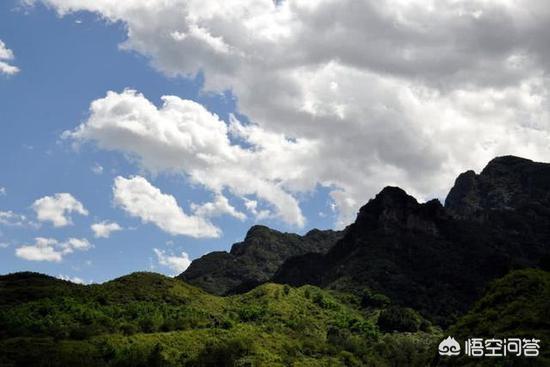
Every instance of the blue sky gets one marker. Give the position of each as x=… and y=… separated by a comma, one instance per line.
x=182, y=123
x=66, y=63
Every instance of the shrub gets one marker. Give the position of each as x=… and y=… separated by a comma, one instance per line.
x=399, y=319
x=376, y=300
x=324, y=302
x=286, y=289
x=223, y=353
x=251, y=313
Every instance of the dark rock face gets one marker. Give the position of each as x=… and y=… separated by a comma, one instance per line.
x=255, y=260
x=438, y=259
x=507, y=183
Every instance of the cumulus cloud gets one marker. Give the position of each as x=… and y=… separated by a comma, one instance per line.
x=49, y=249
x=104, y=229
x=80, y=244
x=56, y=209
x=140, y=199
x=375, y=93
x=220, y=206
x=182, y=136
x=6, y=55
x=3, y=191
x=177, y=264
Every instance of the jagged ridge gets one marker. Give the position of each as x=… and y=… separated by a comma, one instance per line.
x=255, y=260
x=439, y=259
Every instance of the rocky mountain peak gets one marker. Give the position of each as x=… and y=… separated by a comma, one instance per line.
x=255, y=259
x=504, y=165
x=506, y=183
x=438, y=259
x=258, y=231
x=391, y=205
x=257, y=237
x=393, y=209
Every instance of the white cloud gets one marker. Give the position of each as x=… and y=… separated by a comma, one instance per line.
x=104, y=229
x=6, y=55
x=3, y=191
x=42, y=250
x=182, y=136
x=406, y=92
x=97, y=169
x=10, y=218
x=56, y=209
x=75, y=280
x=218, y=207
x=177, y=264
x=4, y=245
x=80, y=244
x=141, y=199
x=252, y=206
x=49, y=249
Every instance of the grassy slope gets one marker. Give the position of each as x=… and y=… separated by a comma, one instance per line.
x=146, y=319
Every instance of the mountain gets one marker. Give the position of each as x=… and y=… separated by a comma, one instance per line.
x=383, y=292
x=28, y=286
x=439, y=259
x=255, y=260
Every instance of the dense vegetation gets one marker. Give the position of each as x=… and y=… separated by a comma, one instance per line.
x=147, y=319
x=515, y=306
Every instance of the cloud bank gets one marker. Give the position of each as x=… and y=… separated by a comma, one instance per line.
x=371, y=93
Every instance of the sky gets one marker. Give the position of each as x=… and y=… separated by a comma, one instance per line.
x=140, y=135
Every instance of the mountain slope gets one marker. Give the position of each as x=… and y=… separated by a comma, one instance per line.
x=146, y=319
x=255, y=260
x=438, y=259
x=515, y=306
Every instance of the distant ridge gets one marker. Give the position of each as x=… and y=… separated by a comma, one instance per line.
x=255, y=260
